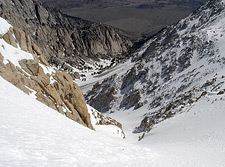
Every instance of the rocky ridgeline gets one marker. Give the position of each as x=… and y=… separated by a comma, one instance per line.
x=53, y=88
x=66, y=41
x=173, y=70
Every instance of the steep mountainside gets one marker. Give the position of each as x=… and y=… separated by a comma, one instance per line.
x=176, y=68
x=23, y=64
x=181, y=69
x=42, y=137
x=66, y=41
x=142, y=17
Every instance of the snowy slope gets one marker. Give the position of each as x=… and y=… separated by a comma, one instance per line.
x=105, y=125
x=174, y=69
x=33, y=134
x=198, y=135
x=39, y=136
x=14, y=55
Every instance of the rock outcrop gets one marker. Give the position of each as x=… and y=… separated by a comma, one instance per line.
x=34, y=76
x=99, y=119
x=62, y=38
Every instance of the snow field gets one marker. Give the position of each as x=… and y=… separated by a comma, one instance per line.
x=33, y=134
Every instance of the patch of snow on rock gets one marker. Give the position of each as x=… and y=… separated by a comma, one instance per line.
x=4, y=28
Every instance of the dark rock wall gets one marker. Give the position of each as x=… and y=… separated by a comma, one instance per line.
x=62, y=38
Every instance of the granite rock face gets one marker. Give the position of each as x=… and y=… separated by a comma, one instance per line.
x=51, y=87
x=62, y=38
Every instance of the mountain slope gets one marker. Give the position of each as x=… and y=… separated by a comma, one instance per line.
x=142, y=17
x=197, y=135
x=177, y=67
x=30, y=72
x=66, y=41
x=32, y=134
x=39, y=136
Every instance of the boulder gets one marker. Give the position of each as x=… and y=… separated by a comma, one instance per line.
x=30, y=66
x=44, y=78
x=29, y=45
x=36, y=49
x=8, y=37
x=76, y=75
x=9, y=73
x=43, y=60
x=21, y=38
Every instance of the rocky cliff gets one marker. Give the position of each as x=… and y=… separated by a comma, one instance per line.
x=23, y=64
x=66, y=41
